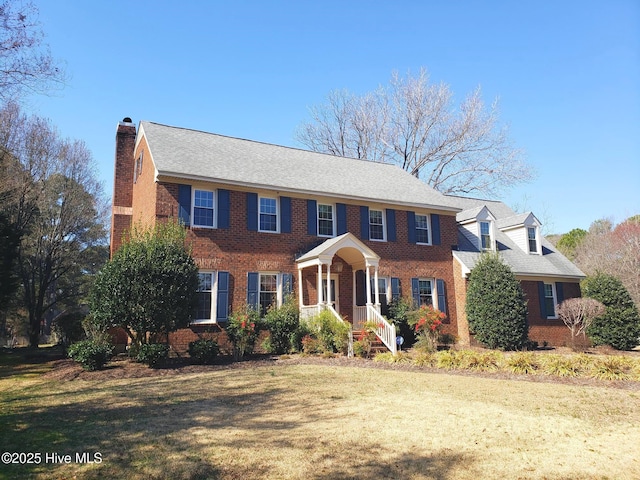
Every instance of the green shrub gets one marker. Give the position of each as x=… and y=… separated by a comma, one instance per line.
x=243, y=330
x=620, y=324
x=332, y=333
x=204, y=350
x=92, y=355
x=496, y=306
x=399, y=313
x=282, y=324
x=68, y=328
x=152, y=354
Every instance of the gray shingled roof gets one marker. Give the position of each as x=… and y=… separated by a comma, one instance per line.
x=195, y=155
x=551, y=263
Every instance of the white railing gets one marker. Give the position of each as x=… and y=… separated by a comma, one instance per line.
x=308, y=311
x=386, y=331
x=359, y=317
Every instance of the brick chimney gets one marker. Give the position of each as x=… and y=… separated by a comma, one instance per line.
x=121, y=211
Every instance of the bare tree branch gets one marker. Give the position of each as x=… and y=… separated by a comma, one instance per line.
x=416, y=125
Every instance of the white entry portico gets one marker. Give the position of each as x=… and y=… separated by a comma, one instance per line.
x=359, y=257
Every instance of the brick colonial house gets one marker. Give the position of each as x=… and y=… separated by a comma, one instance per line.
x=339, y=233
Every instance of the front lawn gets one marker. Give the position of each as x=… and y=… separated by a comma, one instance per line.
x=285, y=419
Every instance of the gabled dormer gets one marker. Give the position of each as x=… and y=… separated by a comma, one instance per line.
x=524, y=230
x=478, y=225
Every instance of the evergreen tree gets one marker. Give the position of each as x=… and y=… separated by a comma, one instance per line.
x=619, y=326
x=150, y=286
x=496, y=307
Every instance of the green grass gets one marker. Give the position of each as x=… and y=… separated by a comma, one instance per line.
x=321, y=421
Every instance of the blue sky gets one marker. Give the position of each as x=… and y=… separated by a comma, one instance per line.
x=567, y=74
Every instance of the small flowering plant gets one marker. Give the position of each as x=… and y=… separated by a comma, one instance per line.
x=243, y=330
x=426, y=322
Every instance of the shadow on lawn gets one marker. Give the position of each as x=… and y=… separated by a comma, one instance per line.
x=28, y=360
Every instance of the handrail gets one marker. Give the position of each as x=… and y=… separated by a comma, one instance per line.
x=386, y=331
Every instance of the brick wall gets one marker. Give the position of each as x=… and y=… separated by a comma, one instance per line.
x=122, y=182
x=541, y=329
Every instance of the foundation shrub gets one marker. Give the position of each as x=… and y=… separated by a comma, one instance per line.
x=91, y=354
x=152, y=354
x=522, y=363
x=388, y=357
x=561, y=366
x=612, y=368
x=483, y=361
x=204, y=351
x=282, y=324
x=332, y=334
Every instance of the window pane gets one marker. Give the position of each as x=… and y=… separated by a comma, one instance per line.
x=485, y=235
x=533, y=247
x=268, y=215
x=422, y=229
x=268, y=291
x=550, y=305
x=203, y=208
x=325, y=220
x=205, y=285
x=376, y=230
x=425, y=292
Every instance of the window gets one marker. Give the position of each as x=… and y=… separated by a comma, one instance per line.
x=268, y=218
x=376, y=225
x=205, y=296
x=425, y=292
x=138, y=168
x=485, y=235
x=422, y=229
x=326, y=224
x=202, y=208
x=533, y=244
x=550, y=299
x=268, y=291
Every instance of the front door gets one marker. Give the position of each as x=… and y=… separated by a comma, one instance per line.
x=334, y=300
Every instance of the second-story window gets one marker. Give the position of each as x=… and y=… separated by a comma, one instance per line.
x=203, y=208
x=485, y=235
x=326, y=224
x=268, y=215
x=376, y=225
x=422, y=229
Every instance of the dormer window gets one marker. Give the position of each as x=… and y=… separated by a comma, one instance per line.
x=533, y=239
x=485, y=235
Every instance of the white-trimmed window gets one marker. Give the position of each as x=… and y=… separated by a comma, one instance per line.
x=425, y=291
x=326, y=220
x=376, y=225
x=268, y=214
x=203, y=208
x=550, y=299
x=138, y=168
x=422, y=229
x=268, y=291
x=485, y=236
x=532, y=237
x=206, y=301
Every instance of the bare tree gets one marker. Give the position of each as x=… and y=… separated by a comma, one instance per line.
x=53, y=198
x=26, y=64
x=415, y=124
x=614, y=250
x=578, y=313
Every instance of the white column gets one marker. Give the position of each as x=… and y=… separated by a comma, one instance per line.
x=328, y=299
x=377, y=290
x=368, y=286
x=319, y=286
x=300, y=297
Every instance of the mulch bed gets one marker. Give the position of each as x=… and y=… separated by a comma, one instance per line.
x=122, y=367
